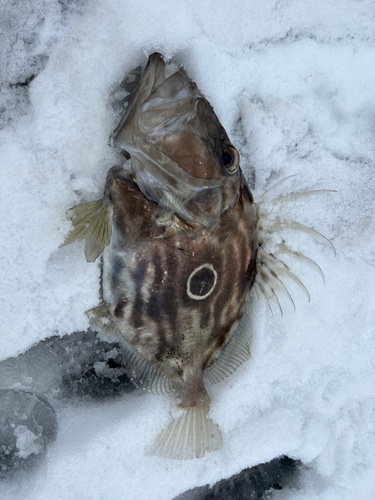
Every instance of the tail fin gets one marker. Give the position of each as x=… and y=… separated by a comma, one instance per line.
x=189, y=436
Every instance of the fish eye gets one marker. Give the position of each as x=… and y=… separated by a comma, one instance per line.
x=230, y=158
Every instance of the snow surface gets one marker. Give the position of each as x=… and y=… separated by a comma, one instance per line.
x=293, y=83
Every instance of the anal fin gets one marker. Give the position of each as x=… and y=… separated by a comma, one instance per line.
x=235, y=353
x=145, y=374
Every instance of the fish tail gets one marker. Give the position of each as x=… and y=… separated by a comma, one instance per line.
x=188, y=436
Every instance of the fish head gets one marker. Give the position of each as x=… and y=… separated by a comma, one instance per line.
x=181, y=155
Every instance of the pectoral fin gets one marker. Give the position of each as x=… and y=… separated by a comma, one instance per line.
x=91, y=221
x=99, y=233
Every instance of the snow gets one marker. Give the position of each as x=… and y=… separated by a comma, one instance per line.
x=26, y=441
x=292, y=82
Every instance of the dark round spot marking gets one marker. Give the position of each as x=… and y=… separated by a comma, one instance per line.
x=201, y=282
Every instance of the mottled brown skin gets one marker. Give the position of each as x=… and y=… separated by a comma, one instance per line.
x=181, y=259
x=145, y=282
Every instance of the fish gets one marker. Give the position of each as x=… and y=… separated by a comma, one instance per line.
x=182, y=243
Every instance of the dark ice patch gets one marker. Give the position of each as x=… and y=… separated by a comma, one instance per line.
x=255, y=483
x=27, y=425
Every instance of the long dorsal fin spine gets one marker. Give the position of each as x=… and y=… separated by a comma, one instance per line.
x=283, y=248
x=265, y=195
x=295, y=196
x=270, y=268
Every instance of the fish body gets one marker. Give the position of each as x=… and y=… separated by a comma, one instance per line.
x=176, y=299
x=177, y=229
x=182, y=243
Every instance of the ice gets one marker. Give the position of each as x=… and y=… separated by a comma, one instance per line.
x=250, y=483
x=292, y=82
x=79, y=365
x=27, y=424
x=48, y=377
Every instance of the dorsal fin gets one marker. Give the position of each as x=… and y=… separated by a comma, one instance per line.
x=269, y=267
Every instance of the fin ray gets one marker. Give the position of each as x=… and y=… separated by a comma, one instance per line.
x=81, y=216
x=295, y=196
x=281, y=225
x=269, y=293
x=99, y=233
x=279, y=268
x=263, y=296
x=189, y=436
x=101, y=319
x=235, y=353
x=265, y=195
x=269, y=277
x=145, y=374
x=282, y=248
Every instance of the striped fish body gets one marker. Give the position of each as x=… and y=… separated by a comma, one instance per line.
x=176, y=300
x=177, y=228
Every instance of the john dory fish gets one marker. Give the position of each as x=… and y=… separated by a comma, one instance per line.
x=181, y=244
